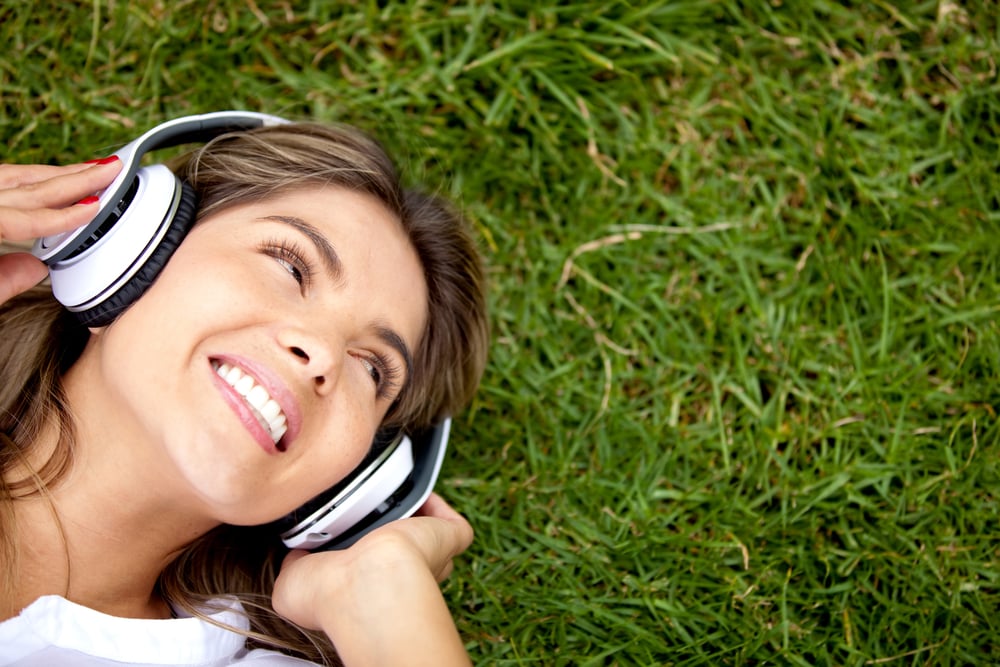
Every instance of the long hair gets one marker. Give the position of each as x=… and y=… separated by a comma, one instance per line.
x=39, y=341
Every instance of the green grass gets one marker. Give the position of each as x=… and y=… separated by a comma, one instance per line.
x=742, y=401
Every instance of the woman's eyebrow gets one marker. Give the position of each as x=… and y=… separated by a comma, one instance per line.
x=325, y=250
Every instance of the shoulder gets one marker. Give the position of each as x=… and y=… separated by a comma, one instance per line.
x=53, y=630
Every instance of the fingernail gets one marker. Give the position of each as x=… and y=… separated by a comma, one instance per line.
x=103, y=160
x=92, y=199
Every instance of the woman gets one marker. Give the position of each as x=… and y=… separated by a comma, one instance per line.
x=135, y=485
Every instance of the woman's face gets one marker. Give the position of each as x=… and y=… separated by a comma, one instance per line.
x=260, y=363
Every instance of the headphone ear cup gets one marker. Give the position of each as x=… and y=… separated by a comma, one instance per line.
x=105, y=312
x=383, y=439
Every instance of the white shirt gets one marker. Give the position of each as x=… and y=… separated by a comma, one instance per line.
x=54, y=631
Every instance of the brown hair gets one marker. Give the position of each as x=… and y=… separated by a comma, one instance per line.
x=40, y=341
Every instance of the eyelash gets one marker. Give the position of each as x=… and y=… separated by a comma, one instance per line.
x=292, y=258
x=388, y=375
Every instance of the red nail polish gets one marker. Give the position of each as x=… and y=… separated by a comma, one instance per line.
x=103, y=160
x=92, y=199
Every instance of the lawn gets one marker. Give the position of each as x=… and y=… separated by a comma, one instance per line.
x=741, y=407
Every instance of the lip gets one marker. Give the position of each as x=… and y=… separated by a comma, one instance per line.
x=275, y=387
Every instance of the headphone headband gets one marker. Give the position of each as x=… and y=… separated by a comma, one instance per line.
x=200, y=128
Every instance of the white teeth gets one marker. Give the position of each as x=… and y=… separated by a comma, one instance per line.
x=278, y=432
x=270, y=410
x=265, y=408
x=232, y=375
x=244, y=385
x=257, y=397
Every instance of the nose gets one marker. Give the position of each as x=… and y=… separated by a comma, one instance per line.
x=315, y=357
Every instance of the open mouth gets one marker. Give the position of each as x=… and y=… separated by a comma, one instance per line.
x=262, y=406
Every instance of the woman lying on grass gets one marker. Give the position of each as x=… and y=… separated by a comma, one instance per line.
x=136, y=495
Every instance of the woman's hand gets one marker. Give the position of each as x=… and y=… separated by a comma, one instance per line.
x=379, y=600
x=41, y=200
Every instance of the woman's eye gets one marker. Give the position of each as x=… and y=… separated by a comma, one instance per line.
x=290, y=258
x=383, y=373
x=291, y=268
x=373, y=371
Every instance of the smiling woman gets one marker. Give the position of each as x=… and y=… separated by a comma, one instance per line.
x=315, y=302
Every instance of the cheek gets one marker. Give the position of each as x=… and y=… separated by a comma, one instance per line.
x=195, y=287
x=328, y=453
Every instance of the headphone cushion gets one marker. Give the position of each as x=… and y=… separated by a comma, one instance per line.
x=105, y=312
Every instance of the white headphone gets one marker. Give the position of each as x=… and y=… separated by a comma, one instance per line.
x=101, y=268
x=392, y=484
x=98, y=270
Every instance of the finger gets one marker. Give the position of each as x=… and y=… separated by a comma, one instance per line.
x=18, y=272
x=16, y=175
x=436, y=507
x=60, y=189
x=429, y=543
x=18, y=224
x=437, y=539
x=446, y=571
x=457, y=520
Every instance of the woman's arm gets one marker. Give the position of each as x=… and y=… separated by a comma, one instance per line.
x=39, y=200
x=379, y=600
